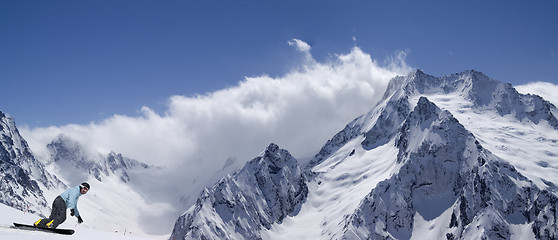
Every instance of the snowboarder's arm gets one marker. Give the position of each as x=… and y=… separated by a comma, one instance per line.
x=73, y=197
x=76, y=212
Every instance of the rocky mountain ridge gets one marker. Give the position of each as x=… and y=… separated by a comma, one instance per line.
x=265, y=191
x=70, y=154
x=22, y=175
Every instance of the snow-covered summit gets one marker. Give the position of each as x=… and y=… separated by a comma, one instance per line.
x=473, y=84
x=484, y=93
x=265, y=191
x=75, y=163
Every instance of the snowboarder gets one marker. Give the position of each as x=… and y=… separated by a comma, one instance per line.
x=68, y=199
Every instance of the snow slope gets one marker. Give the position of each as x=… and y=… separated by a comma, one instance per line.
x=110, y=207
x=115, y=200
x=336, y=190
x=508, y=138
x=85, y=231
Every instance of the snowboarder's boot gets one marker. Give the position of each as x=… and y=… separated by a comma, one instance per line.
x=49, y=224
x=36, y=224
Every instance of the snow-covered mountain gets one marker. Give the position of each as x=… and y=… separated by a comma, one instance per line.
x=75, y=163
x=461, y=156
x=450, y=184
x=265, y=191
x=22, y=176
x=9, y=215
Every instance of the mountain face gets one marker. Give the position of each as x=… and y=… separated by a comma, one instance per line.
x=75, y=164
x=445, y=171
x=448, y=185
x=265, y=191
x=22, y=175
x=461, y=156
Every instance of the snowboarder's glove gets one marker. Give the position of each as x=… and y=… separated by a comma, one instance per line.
x=72, y=212
x=79, y=219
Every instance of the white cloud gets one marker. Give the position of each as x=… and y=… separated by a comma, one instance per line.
x=299, y=111
x=544, y=89
x=304, y=48
x=300, y=45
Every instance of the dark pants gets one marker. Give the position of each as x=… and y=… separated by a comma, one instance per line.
x=57, y=216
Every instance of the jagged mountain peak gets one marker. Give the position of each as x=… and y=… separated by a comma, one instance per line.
x=75, y=162
x=398, y=82
x=11, y=138
x=425, y=109
x=64, y=148
x=469, y=82
x=267, y=189
x=419, y=82
x=118, y=161
x=427, y=124
x=21, y=173
x=276, y=156
x=272, y=151
x=472, y=74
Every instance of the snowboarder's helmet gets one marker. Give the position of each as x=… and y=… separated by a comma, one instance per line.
x=85, y=185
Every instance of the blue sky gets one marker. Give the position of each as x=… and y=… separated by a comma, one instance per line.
x=65, y=62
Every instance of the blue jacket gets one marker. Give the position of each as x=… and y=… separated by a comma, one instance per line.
x=71, y=197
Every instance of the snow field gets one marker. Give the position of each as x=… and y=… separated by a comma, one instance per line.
x=84, y=231
x=343, y=182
